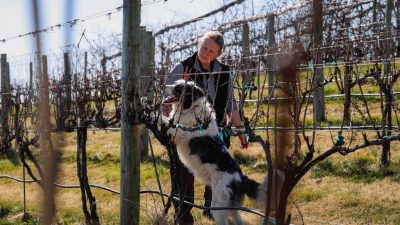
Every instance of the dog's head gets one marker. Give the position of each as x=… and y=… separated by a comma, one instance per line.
x=184, y=93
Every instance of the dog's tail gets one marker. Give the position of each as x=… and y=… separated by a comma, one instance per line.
x=258, y=192
x=255, y=191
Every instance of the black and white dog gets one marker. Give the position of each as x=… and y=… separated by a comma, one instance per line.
x=204, y=154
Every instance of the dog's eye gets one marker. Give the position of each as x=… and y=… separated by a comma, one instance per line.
x=177, y=90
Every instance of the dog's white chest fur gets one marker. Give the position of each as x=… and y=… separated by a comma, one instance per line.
x=205, y=172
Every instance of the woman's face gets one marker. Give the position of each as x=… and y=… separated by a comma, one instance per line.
x=209, y=50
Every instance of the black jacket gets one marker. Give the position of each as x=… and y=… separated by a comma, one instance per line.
x=221, y=82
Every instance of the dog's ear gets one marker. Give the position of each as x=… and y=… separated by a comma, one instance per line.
x=179, y=87
x=197, y=92
x=187, y=96
x=192, y=94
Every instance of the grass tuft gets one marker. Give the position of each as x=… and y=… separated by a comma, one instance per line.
x=308, y=195
x=7, y=165
x=244, y=159
x=363, y=169
x=6, y=209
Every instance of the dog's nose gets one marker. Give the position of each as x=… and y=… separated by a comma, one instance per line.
x=170, y=99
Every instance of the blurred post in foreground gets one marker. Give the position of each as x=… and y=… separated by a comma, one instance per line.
x=130, y=128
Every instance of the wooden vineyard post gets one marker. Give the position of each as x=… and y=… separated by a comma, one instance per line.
x=130, y=128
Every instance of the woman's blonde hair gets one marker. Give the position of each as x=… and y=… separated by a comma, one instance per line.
x=216, y=36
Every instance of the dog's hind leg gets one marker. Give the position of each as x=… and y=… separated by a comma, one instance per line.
x=221, y=216
x=231, y=217
x=236, y=217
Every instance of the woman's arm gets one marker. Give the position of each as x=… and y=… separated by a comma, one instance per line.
x=235, y=117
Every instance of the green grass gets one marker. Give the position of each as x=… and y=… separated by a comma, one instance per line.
x=243, y=159
x=112, y=174
x=5, y=222
x=375, y=211
x=8, y=209
x=364, y=169
x=7, y=165
x=308, y=195
x=96, y=157
x=9, y=161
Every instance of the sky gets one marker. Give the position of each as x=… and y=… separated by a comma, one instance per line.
x=16, y=19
